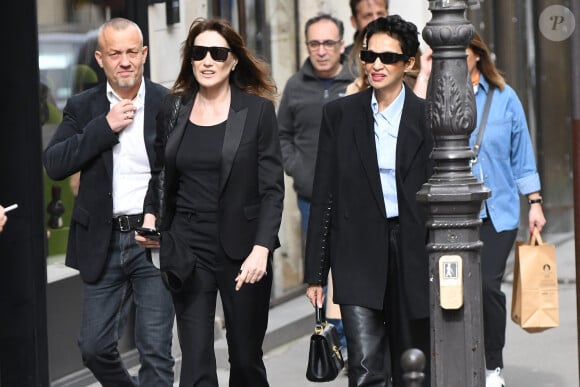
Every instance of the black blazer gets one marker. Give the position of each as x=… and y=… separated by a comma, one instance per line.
x=347, y=226
x=83, y=142
x=251, y=179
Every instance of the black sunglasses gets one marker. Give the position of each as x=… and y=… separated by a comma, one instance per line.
x=385, y=57
x=219, y=54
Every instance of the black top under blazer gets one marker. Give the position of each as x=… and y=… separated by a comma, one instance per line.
x=251, y=177
x=347, y=227
x=84, y=142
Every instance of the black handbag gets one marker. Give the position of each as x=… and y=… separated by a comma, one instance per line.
x=324, y=357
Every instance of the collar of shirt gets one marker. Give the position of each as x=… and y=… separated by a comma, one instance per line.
x=138, y=101
x=388, y=120
x=482, y=84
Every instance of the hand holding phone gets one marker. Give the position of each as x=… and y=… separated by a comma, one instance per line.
x=149, y=233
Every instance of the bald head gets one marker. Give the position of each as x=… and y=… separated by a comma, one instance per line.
x=117, y=24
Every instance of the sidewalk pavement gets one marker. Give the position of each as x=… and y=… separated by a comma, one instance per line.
x=546, y=359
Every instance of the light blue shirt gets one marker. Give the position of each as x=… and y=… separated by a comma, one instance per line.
x=386, y=125
x=506, y=162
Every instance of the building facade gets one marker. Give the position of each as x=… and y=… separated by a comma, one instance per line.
x=539, y=69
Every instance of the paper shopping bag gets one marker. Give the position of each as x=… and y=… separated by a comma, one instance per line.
x=535, y=305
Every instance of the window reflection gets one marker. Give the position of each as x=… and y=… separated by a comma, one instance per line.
x=67, y=39
x=64, y=64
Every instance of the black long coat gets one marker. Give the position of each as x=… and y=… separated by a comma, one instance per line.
x=347, y=172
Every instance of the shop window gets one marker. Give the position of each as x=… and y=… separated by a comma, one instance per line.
x=67, y=33
x=249, y=18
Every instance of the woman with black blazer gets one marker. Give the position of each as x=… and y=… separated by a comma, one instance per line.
x=365, y=222
x=216, y=198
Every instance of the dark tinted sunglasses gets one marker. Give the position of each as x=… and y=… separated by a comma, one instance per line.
x=219, y=54
x=385, y=57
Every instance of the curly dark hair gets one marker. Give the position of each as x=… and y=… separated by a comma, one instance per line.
x=398, y=28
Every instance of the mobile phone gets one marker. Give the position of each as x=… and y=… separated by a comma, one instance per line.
x=149, y=233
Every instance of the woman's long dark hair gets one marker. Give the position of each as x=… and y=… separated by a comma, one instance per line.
x=251, y=74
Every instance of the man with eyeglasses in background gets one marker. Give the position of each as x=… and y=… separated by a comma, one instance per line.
x=322, y=78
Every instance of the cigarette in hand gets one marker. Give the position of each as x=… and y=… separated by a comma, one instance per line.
x=10, y=207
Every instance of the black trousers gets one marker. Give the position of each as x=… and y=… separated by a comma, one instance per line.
x=245, y=311
x=494, y=255
x=378, y=338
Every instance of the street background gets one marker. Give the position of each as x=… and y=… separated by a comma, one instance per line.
x=546, y=359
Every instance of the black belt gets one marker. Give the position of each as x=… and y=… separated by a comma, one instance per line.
x=126, y=223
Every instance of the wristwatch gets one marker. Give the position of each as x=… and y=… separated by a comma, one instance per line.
x=536, y=200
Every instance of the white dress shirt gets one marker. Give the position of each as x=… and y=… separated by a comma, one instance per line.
x=131, y=168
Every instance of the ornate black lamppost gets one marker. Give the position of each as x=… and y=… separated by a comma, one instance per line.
x=453, y=197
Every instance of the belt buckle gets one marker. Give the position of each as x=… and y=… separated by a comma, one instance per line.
x=124, y=223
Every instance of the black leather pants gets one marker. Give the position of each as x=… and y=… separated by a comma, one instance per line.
x=368, y=347
x=378, y=338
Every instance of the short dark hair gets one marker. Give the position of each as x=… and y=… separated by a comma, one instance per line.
x=354, y=3
x=324, y=16
x=395, y=26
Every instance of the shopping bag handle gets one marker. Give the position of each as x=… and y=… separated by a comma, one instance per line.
x=536, y=237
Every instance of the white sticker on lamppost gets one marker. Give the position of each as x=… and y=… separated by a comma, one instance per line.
x=451, y=281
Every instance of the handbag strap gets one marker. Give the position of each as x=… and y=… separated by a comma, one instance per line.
x=477, y=144
x=173, y=102
x=319, y=316
x=320, y=320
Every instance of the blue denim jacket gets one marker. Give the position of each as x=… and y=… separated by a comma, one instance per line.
x=506, y=163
